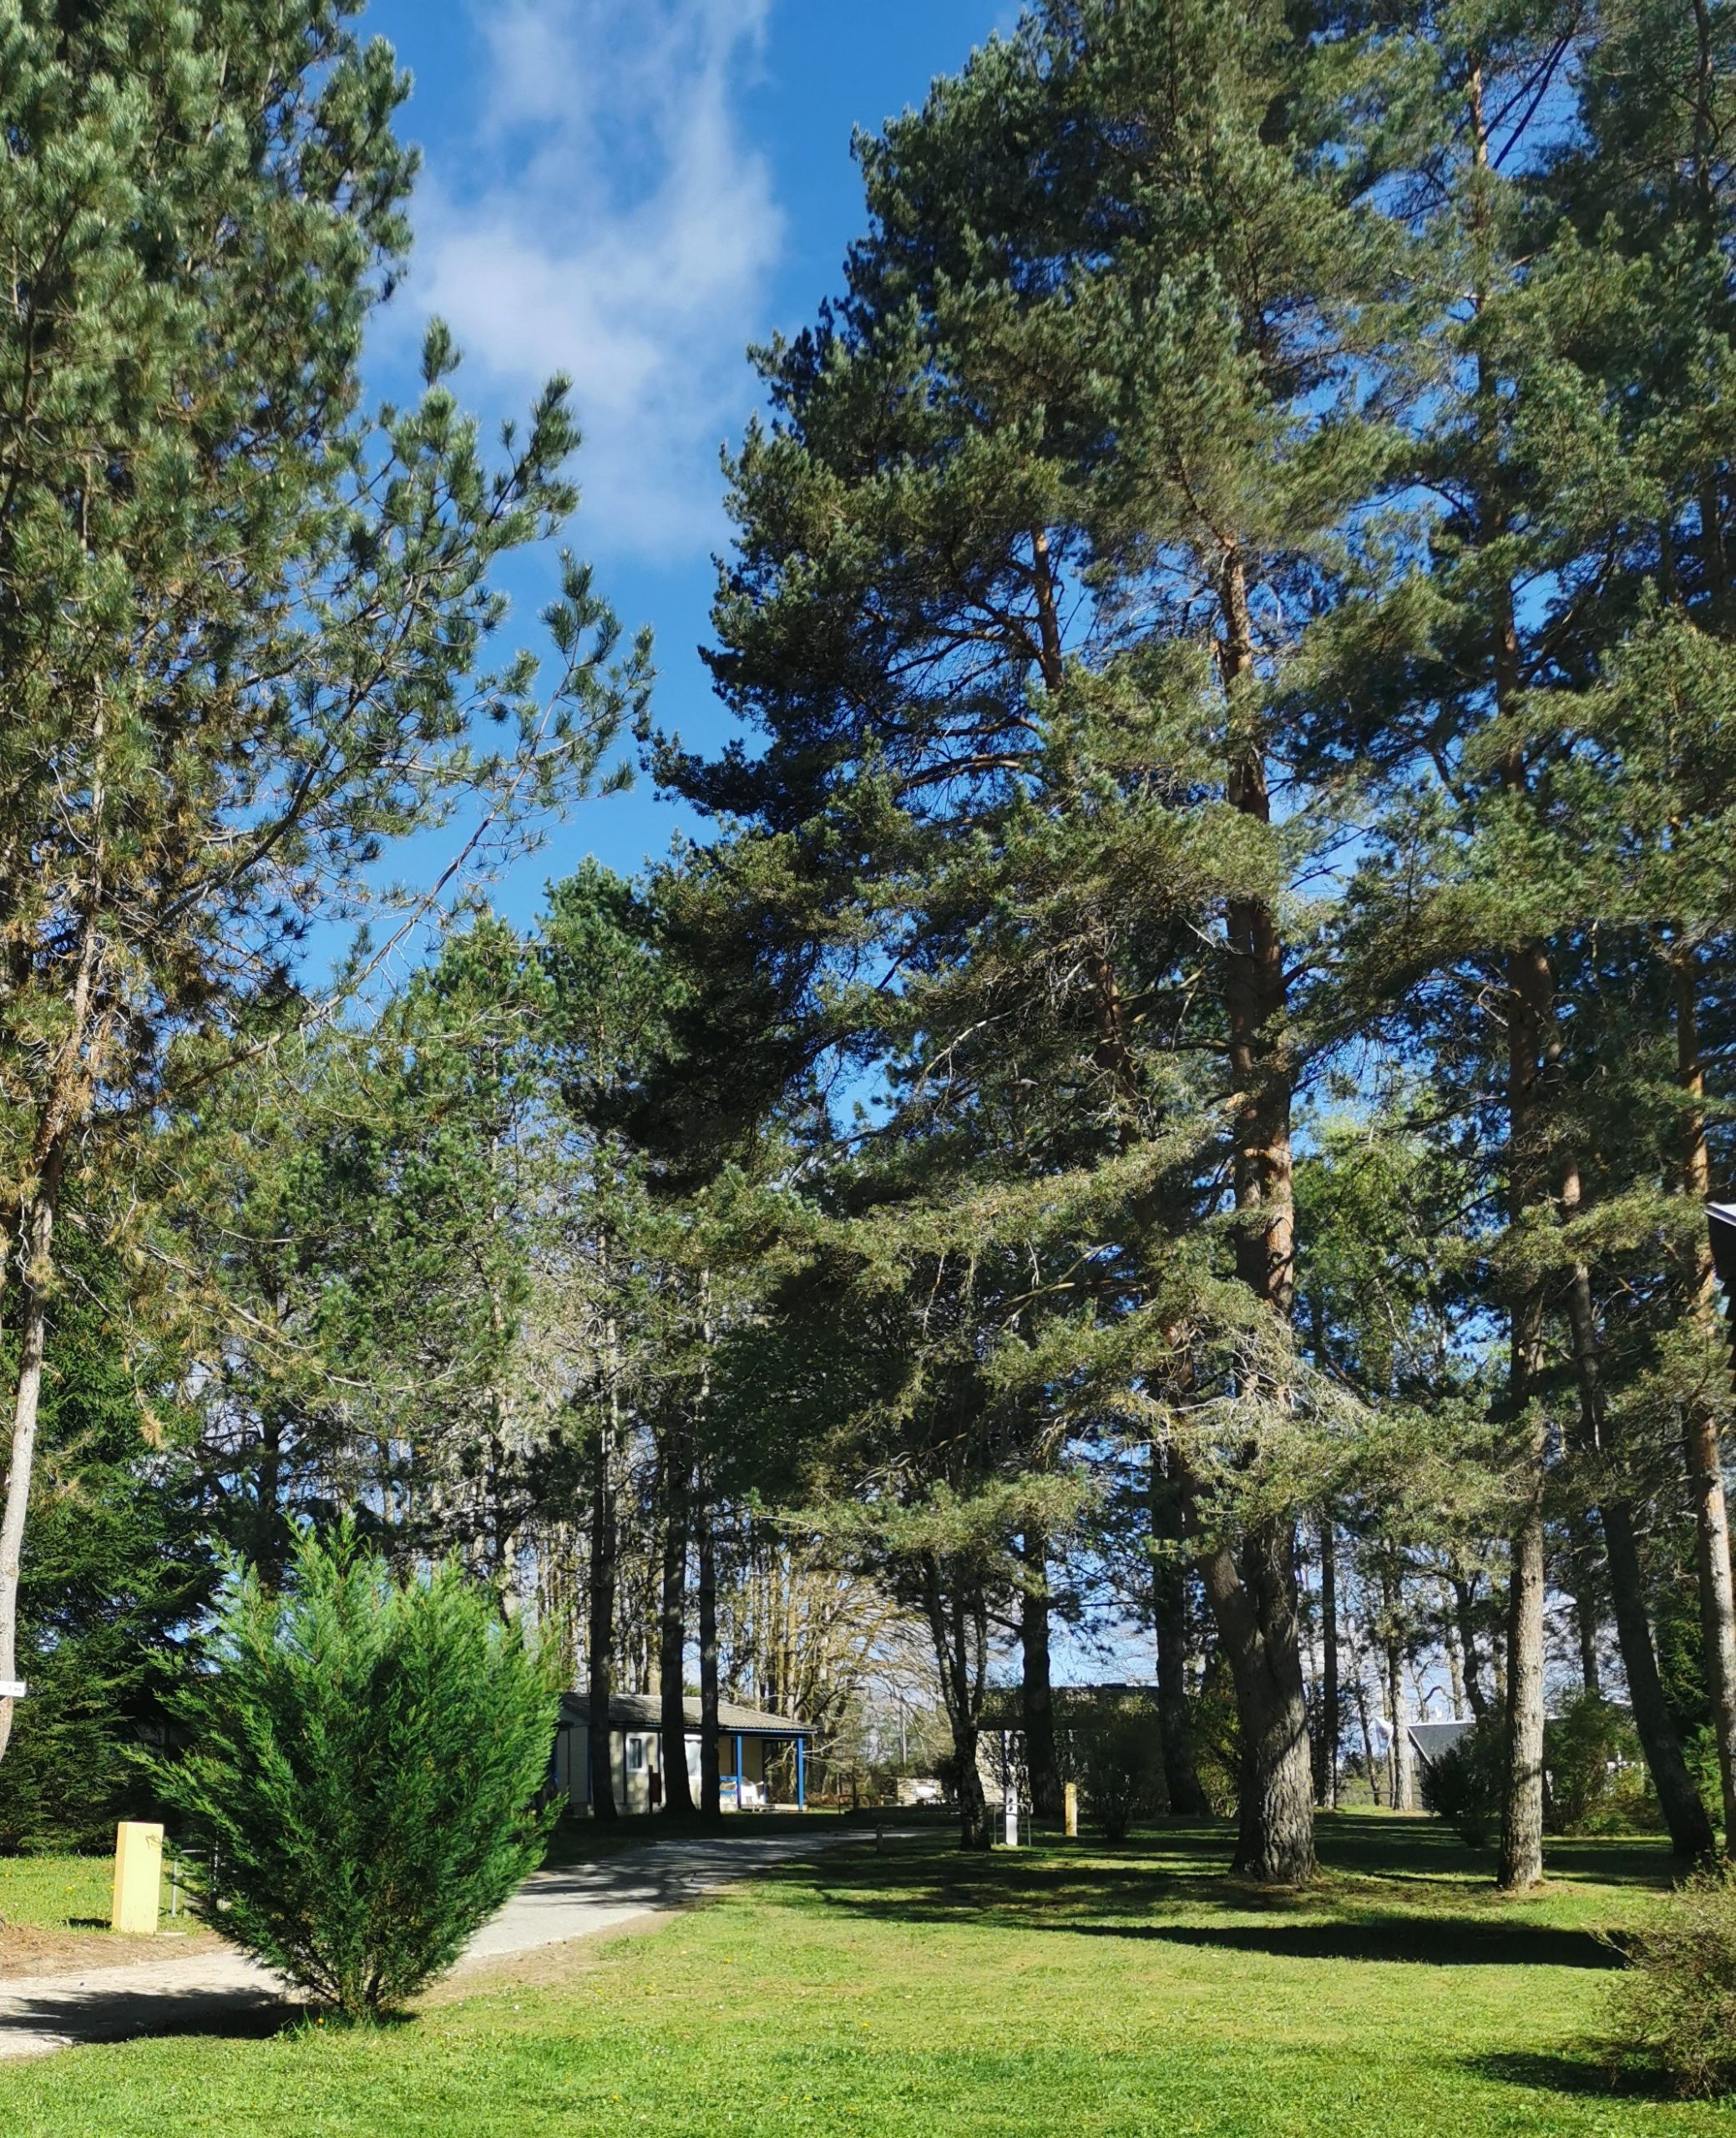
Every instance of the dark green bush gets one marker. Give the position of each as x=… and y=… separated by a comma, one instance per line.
x=1121, y=1768
x=366, y=1758
x=1674, y=2009
x=1216, y=1741
x=1463, y=1785
x=1597, y=1778
x=114, y=1571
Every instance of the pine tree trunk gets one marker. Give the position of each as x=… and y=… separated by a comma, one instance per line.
x=1186, y=1795
x=973, y=1803
x=1521, y=1826
x=1404, y=1764
x=1365, y=1722
x=710, y=1777
x=1041, y=1760
x=1705, y=1454
x=1520, y=1863
x=1465, y=1606
x=1679, y=1800
x=960, y=1662
x=19, y=1475
x=1583, y=1554
x=26, y=1399
x=1275, y=1813
x=1254, y=1604
x=1326, y=1781
x=672, y=1621
x=1718, y=1599
x=1684, y=1814
x=1529, y=993
x=601, y=1633
x=67, y=1101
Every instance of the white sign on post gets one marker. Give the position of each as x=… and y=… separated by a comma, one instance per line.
x=1008, y=1790
x=13, y=1689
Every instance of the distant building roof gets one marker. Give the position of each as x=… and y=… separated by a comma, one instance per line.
x=1432, y=1739
x=643, y=1711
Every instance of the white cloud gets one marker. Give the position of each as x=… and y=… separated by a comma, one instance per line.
x=616, y=226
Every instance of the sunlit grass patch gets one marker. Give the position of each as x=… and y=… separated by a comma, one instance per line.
x=1067, y=1989
x=55, y=1892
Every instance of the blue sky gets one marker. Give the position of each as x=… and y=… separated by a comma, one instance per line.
x=631, y=192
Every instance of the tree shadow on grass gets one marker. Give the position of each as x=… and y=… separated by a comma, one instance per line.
x=1395, y=1938
x=1581, y=2073
x=94, y=2012
x=1407, y=1848
x=1156, y=1895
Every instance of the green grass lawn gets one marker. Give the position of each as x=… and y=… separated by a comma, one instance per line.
x=1075, y=1990
x=55, y=1892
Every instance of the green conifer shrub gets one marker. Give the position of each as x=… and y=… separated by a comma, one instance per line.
x=1122, y=1765
x=367, y=1755
x=1597, y=1778
x=1463, y=1784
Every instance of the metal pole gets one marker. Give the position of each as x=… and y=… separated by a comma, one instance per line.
x=801, y=1774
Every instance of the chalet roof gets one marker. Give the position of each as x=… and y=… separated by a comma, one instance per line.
x=1432, y=1739
x=643, y=1711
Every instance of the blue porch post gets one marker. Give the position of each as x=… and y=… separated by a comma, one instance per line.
x=738, y=1770
x=801, y=1774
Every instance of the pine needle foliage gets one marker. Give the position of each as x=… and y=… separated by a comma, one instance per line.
x=367, y=1756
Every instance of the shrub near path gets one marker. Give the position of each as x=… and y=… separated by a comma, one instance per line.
x=1091, y=1992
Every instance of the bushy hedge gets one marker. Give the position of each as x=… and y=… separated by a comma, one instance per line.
x=1597, y=1783
x=367, y=1755
x=1674, y=2009
x=1463, y=1784
x=1120, y=1762
x=1597, y=1778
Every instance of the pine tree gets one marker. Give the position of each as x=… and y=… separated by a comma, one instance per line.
x=1657, y=95
x=240, y=622
x=1502, y=921
x=1014, y=566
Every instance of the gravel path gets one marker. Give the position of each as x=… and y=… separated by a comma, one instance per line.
x=44, y=2013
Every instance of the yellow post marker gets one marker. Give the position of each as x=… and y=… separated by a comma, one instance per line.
x=138, y=1877
x=1070, y=1801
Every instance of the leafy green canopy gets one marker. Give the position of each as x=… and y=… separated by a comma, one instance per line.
x=240, y=615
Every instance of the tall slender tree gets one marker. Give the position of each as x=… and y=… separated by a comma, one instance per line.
x=240, y=622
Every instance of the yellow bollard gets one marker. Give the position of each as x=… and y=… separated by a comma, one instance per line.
x=138, y=1877
x=1071, y=1801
